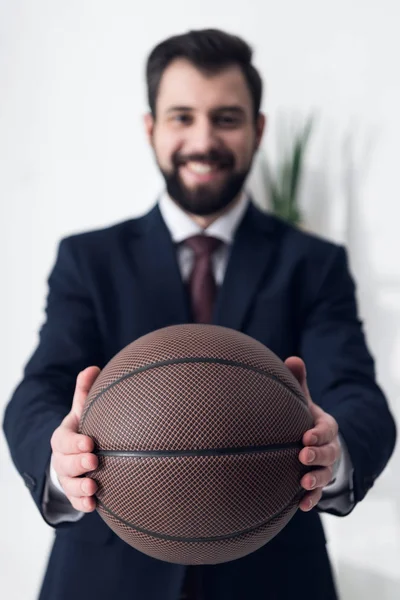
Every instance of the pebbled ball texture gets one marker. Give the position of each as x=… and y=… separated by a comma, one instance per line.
x=198, y=430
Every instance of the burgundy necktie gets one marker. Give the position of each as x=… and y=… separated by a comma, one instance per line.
x=202, y=286
x=202, y=289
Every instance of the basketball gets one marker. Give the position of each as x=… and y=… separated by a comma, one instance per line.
x=197, y=429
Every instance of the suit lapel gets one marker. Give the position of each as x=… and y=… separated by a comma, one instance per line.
x=252, y=253
x=157, y=272
x=163, y=295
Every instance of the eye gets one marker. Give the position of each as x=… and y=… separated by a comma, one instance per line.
x=227, y=120
x=182, y=118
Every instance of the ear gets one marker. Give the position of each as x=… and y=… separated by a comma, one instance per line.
x=149, y=127
x=260, y=126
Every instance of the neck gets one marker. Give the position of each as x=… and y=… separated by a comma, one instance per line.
x=205, y=221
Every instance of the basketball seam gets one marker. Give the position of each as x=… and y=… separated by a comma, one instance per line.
x=198, y=453
x=230, y=536
x=176, y=361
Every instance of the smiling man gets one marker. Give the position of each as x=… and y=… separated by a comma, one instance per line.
x=204, y=132
x=203, y=254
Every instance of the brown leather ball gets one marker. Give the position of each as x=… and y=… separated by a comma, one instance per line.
x=198, y=429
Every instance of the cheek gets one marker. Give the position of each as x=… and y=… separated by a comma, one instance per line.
x=165, y=145
x=243, y=149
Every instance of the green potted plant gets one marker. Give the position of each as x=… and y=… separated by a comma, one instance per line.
x=283, y=185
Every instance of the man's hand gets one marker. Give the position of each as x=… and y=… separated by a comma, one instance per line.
x=71, y=450
x=322, y=443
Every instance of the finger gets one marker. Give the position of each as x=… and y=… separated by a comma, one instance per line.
x=298, y=369
x=84, y=382
x=67, y=441
x=310, y=500
x=83, y=504
x=323, y=456
x=77, y=487
x=74, y=465
x=318, y=478
x=324, y=432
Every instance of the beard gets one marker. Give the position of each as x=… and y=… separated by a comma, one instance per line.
x=205, y=199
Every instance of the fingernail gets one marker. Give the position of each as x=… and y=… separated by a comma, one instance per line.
x=311, y=456
x=82, y=445
x=309, y=507
x=313, y=482
x=86, y=463
x=85, y=487
x=313, y=439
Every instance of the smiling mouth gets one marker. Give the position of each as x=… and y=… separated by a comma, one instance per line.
x=200, y=171
x=202, y=168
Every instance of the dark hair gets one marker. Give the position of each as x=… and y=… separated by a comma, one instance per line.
x=210, y=50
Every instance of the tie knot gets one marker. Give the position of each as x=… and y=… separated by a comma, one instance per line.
x=203, y=244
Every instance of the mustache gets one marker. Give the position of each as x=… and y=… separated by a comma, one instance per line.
x=212, y=157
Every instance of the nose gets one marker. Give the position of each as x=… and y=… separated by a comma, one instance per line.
x=201, y=137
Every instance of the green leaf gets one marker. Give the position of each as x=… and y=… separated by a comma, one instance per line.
x=284, y=185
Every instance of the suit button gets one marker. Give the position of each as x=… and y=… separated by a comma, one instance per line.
x=30, y=481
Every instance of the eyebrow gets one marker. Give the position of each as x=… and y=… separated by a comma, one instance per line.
x=232, y=109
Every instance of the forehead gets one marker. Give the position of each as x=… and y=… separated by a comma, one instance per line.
x=184, y=85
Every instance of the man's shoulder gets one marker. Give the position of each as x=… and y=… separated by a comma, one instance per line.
x=296, y=238
x=310, y=243
x=107, y=235
x=307, y=254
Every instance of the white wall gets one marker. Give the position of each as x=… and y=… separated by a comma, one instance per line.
x=73, y=156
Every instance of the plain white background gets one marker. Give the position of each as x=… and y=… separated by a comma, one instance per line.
x=73, y=156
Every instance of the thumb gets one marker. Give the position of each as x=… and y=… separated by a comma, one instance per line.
x=84, y=382
x=298, y=369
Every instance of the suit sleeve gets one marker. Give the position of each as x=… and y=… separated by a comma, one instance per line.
x=338, y=494
x=341, y=378
x=56, y=506
x=69, y=341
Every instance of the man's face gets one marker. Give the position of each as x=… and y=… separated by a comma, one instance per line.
x=204, y=137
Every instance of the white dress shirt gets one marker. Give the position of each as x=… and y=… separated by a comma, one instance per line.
x=56, y=506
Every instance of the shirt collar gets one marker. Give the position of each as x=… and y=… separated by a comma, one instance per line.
x=181, y=226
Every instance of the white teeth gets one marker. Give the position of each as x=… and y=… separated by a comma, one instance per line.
x=200, y=168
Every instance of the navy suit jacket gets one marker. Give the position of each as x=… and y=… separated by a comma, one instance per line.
x=290, y=290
